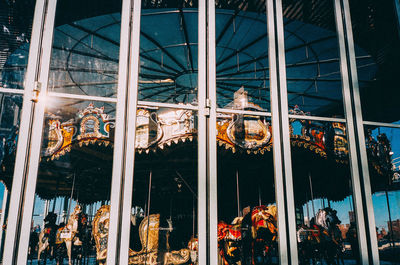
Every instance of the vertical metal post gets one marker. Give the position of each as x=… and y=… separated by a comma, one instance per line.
x=24, y=135
x=19, y=232
x=36, y=137
x=352, y=137
x=369, y=207
x=212, y=136
x=276, y=133
x=119, y=138
x=131, y=108
x=202, y=217
x=285, y=133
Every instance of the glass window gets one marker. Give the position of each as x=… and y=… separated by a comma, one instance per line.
x=10, y=110
x=312, y=58
x=16, y=18
x=85, y=52
x=73, y=182
x=383, y=150
x=165, y=179
x=242, y=55
x=168, y=52
x=247, y=211
x=165, y=195
x=325, y=217
x=72, y=197
x=376, y=40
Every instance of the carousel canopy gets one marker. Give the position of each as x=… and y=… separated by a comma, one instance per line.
x=85, y=58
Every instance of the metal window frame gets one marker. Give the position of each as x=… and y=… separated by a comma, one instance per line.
x=277, y=147
x=380, y=124
x=351, y=117
x=34, y=146
x=20, y=168
x=369, y=207
x=202, y=135
x=12, y=91
x=211, y=165
x=35, y=125
x=129, y=159
x=114, y=235
x=282, y=146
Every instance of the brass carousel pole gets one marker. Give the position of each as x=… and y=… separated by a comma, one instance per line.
x=390, y=217
x=312, y=194
x=148, y=213
x=70, y=198
x=308, y=211
x=237, y=193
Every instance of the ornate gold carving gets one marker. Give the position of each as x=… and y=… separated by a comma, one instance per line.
x=101, y=224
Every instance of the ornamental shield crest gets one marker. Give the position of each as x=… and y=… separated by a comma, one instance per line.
x=249, y=131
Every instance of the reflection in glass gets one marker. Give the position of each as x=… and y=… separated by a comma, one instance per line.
x=168, y=52
x=242, y=53
x=325, y=218
x=383, y=150
x=377, y=41
x=10, y=109
x=70, y=221
x=312, y=58
x=247, y=214
x=164, y=207
x=15, y=33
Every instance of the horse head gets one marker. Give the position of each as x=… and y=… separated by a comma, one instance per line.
x=331, y=218
x=50, y=218
x=327, y=218
x=263, y=220
x=229, y=238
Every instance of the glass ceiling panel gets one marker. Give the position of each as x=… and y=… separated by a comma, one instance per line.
x=85, y=59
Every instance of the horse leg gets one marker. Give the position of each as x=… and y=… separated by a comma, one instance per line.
x=68, y=245
x=41, y=249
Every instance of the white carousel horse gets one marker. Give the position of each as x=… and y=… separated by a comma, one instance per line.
x=67, y=234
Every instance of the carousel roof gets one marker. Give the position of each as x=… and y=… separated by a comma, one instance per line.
x=85, y=61
x=92, y=36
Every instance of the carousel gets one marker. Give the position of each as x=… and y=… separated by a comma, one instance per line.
x=78, y=138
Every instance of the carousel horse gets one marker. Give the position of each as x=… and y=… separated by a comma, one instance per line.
x=153, y=239
x=193, y=246
x=229, y=241
x=100, y=225
x=259, y=232
x=70, y=233
x=323, y=240
x=47, y=236
x=249, y=239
